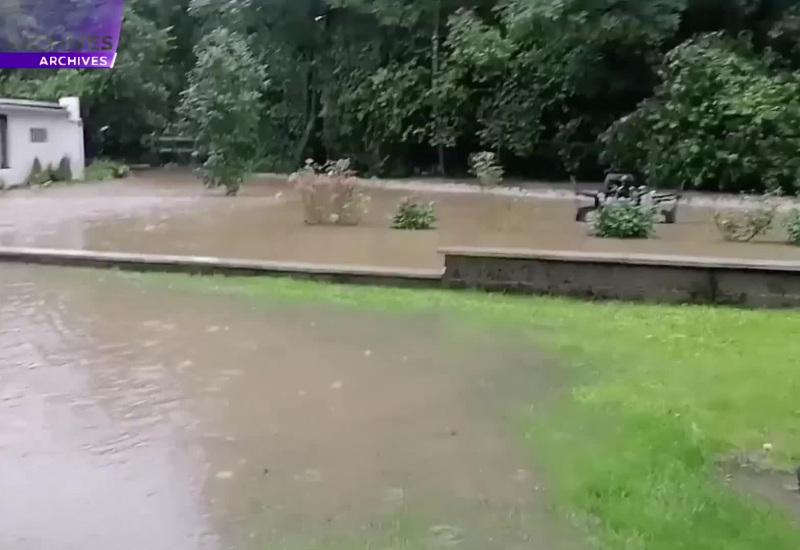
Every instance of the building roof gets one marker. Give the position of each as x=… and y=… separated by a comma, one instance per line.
x=29, y=104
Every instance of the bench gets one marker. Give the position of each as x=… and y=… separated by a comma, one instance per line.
x=622, y=188
x=175, y=148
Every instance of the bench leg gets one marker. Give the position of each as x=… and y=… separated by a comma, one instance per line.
x=583, y=212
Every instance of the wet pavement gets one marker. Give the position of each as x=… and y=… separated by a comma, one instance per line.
x=170, y=213
x=138, y=417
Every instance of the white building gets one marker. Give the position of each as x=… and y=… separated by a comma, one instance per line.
x=45, y=130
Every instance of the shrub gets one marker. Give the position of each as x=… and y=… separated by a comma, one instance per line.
x=63, y=172
x=486, y=168
x=330, y=193
x=102, y=170
x=793, y=227
x=752, y=220
x=414, y=215
x=37, y=175
x=723, y=119
x=623, y=220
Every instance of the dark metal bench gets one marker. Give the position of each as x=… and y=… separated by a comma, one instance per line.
x=622, y=188
x=174, y=148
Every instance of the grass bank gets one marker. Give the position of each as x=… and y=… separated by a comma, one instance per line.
x=662, y=393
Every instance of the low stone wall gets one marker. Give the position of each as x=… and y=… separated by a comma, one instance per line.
x=667, y=279
x=596, y=276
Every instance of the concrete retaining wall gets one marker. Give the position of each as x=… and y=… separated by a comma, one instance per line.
x=415, y=278
x=666, y=279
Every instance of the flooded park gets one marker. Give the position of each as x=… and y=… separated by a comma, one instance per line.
x=170, y=213
x=145, y=416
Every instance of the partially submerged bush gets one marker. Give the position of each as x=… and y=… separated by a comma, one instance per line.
x=102, y=170
x=221, y=170
x=793, y=227
x=330, y=193
x=37, y=175
x=486, y=168
x=752, y=220
x=623, y=220
x=64, y=171
x=413, y=214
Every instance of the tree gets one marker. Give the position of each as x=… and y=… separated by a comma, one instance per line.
x=221, y=107
x=724, y=119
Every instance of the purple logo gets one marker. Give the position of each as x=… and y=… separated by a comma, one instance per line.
x=59, y=34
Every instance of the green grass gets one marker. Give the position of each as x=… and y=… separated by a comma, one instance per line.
x=660, y=394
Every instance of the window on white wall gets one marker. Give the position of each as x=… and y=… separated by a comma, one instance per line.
x=38, y=135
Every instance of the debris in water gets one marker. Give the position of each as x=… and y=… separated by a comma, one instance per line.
x=395, y=495
x=337, y=385
x=367, y=353
x=225, y=474
x=446, y=535
x=309, y=476
x=522, y=475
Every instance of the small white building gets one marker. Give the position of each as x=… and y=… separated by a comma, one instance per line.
x=45, y=130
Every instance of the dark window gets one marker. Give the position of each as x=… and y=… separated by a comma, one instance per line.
x=38, y=135
x=3, y=141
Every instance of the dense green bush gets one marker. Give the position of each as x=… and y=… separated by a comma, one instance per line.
x=624, y=221
x=413, y=214
x=723, y=119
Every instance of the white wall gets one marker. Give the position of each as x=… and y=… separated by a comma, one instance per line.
x=64, y=138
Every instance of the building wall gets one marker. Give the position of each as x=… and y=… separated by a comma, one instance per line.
x=65, y=138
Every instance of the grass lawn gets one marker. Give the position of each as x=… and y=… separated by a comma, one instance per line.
x=660, y=395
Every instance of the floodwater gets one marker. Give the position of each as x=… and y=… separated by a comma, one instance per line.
x=137, y=416
x=170, y=213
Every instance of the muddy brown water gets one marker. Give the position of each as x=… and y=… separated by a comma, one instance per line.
x=135, y=416
x=170, y=213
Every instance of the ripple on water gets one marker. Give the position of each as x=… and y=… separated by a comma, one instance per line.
x=168, y=433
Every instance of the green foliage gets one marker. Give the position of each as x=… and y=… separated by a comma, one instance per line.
x=486, y=168
x=656, y=395
x=330, y=193
x=793, y=227
x=412, y=214
x=37, y=175
x=221, y=107
x=398, y=86
x=378, y=110
x=64, y=171
x=102, y=170
x=723, y=119
x=621, y=220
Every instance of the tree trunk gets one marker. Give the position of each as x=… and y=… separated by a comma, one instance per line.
x=312, y=121
x=435, y=73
